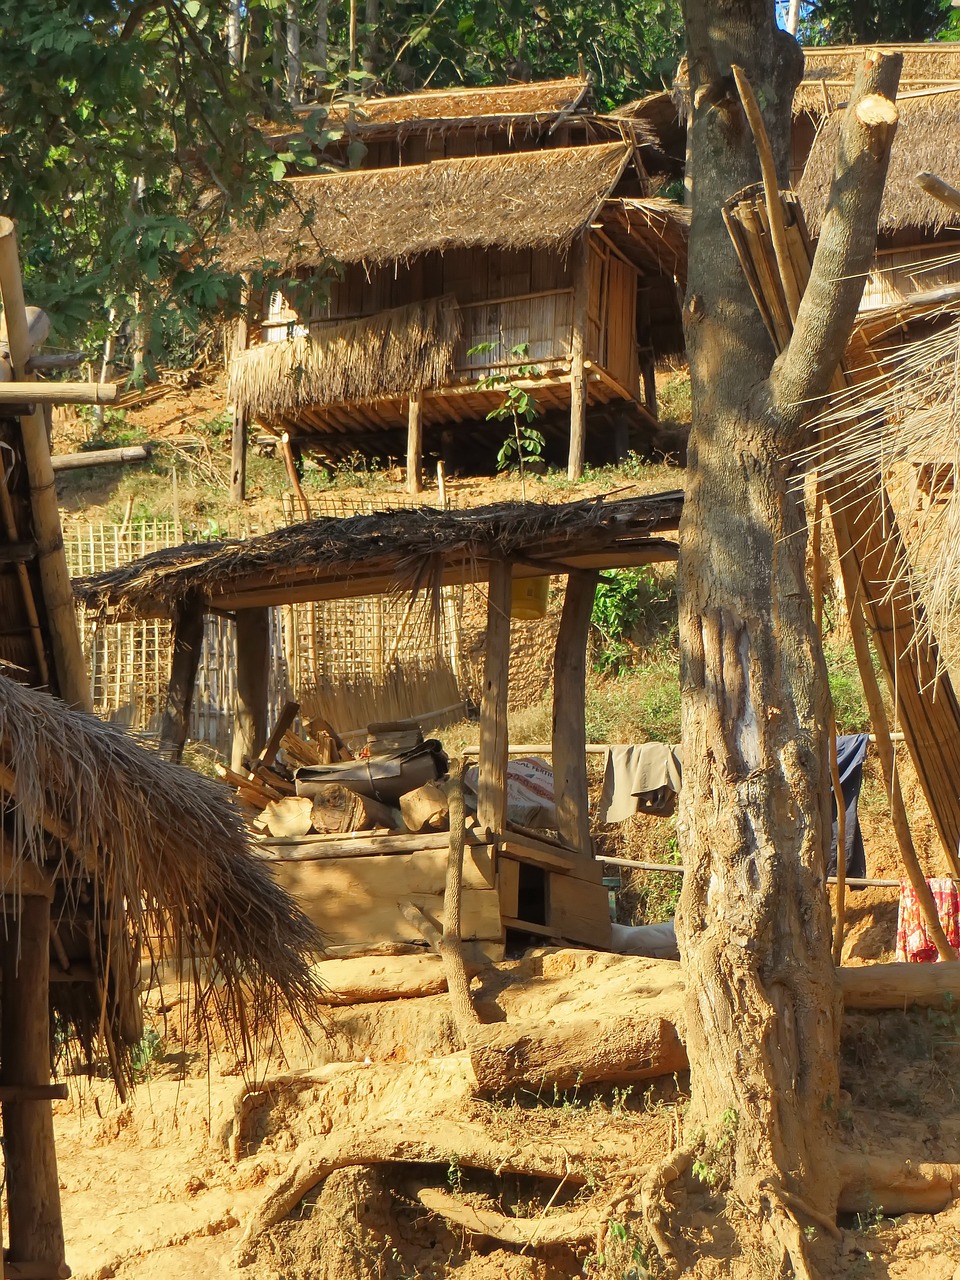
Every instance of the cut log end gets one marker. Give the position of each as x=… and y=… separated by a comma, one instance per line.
x=876, y=111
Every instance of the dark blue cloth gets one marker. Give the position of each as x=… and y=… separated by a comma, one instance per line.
x=851, y=749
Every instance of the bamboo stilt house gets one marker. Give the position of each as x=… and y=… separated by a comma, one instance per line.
x=361, y=891
x=498, y=245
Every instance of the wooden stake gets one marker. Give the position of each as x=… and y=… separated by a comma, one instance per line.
x=569, y=720
x=64, y=632
x=187, y=645
x=494, y=736
x=253, y=676
x=415, y=443
x=287, y=450
x=33, y=1188
x=580, y=255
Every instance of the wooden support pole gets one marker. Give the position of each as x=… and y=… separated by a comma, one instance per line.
x=33, y=1189
x=71, y=669
x=580, y=258
x=286, y=449
x=253, y=675
x=238, y=438
x=569, y=716
x=494, y=735
x=57, y=392
x=187, y=645
x=415, y=443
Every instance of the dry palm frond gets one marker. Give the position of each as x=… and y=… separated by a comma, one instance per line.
x=902, y=423
x=523, y=200
x=392, y=353
x=146, y=853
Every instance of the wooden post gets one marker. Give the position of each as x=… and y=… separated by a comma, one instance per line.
x=64, y=632
x=238, y=439
x=187, y=645
x=33, y=1189
x=414, y=442
x=580, y=255
x=648, y=367
x=253, y=675
x=569, y=715
x=286, y=449
x=494, y=736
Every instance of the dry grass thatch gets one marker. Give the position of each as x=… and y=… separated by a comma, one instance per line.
x=545, y=98
x=653, y=233
x=927, y=137
x=531, y=199
x=409, y=546
x=392, y=353
x=829, y=72
x=144, y=854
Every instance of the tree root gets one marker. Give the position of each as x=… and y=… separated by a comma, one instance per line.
x=428, y=1141
x=654, y=1204
x=540, y=1232
x=786, y=1230
x=231, y=1135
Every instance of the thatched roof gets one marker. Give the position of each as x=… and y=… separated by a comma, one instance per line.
x=391, y=353
x=531, y=199
x=927, y=137
x=829, y=72
x=387, y=551
x=653, y=233
x=546, y=98
x=126, y=836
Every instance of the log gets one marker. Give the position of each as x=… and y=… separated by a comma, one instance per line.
x=285, y=720
x=397, y=977
x=291, y=816
x=335, y=808
x=898, y=986
x=58, y=392
x=542, y=1232
x=425, y=808
x=33, y=1188
x=569, y=715
x=101, y=457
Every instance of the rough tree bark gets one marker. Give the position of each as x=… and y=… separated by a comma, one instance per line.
x=763, y=1005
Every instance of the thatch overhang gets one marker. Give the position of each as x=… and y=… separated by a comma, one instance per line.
x=525, y=200
x=406, y=550
x=927, y=137
x=658, y=117
x=139, y=853
x=653, y=233
x=540, y=101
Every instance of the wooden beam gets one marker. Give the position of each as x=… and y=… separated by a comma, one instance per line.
x=73, y=683
x=415, y=443
x=101, y=457
x=253, y=677
x=569, y=716
x=33, y=1188
x=187, y=645
x=57, y=392
x=494, y=734
x=578, y=378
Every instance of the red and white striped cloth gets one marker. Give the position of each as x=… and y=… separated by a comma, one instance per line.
x=913, y=942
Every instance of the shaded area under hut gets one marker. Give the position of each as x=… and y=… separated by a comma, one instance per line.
x=368, y=888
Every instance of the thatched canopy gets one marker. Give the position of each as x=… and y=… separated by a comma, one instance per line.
x=927, y=137
x=387, y=551
x=547, y=98
x=394, y=352
x=142, y=853
x=829, y=72
x=653, y=233
x=531, y=199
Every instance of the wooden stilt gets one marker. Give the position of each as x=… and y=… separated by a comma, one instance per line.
x=238, y=440
x=253, y=675
x=580, y=255
x=569, y=719
x=415, y=443
x=33, y=1189
x=64, y=632
x=494, y=736
x=286, y=448
x=187, y=644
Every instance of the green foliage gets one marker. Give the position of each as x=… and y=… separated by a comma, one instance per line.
x=846, y=691
x=518, y=406
x=711, y=1164
x=879, y=21
x=626, y=599
x=148, y=1051
x=109, y=429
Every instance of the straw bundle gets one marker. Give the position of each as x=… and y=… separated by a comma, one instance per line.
x=149, y=853
x=392, y=353
x=408, y=545
x=928, y=137
x=524, y=200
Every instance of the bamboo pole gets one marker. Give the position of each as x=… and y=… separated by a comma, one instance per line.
x=415, y=442
x=238, y=438
x=580, y=257
x=296, y=486
x=56, y=392
x=64, y=633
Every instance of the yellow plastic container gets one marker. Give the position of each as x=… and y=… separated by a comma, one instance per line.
x=528, y=599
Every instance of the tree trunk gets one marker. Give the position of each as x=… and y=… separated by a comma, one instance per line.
x=762, y=1005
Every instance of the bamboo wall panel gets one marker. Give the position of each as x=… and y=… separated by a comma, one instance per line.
x=620, y=357
x=898, y=274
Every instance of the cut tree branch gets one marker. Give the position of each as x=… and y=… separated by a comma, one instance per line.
x=845, y=251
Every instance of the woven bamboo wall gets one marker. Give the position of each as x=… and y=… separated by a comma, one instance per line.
x=359, y=660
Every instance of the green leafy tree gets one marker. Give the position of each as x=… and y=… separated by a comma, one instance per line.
x=887, y=21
